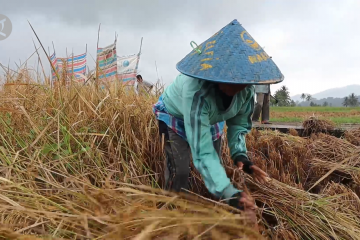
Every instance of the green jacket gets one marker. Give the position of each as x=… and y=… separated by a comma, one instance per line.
x=198, y=103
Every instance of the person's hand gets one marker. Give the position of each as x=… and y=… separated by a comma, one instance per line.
x=251, y=215
x=246, y=202
x=258, y=174
x=242, y=201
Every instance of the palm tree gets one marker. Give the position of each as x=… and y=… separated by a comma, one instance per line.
x=284, y=89
x=346, y=102
x=283, y=96
x=303, y=96
x=308, y=97
x=353, y=100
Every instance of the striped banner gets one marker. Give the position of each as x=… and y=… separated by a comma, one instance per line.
x=107, y=62
x=75, y=67
x=53, y=62
x=114, y=68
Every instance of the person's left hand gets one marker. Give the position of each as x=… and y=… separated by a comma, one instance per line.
x=258, y=174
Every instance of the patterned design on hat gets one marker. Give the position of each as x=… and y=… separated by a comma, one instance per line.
x=231, y=56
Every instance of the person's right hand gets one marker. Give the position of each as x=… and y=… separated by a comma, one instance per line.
x=248, y=206
x=246, y=202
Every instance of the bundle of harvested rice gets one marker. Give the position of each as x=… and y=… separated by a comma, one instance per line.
x=284, y=157
x=124, y=212
x=335, y=159
x=353, y=136
x=347, y=198
x=342, y=172
x=315, y=125
x=331, y=148
x=7, y=234
x=290, y=211
x=293, y=132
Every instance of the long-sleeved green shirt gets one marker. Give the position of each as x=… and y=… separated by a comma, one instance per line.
x=198, y=103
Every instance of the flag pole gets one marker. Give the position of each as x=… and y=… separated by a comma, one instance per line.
x=53, y=47
x=86, y=69
x=115, y=56
x=56, y=72
x=51, y=77
x=97, y=60
x=141, y=45
x=137, y=64
x=72, y=68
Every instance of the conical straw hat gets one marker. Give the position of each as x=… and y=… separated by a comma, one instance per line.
x=231, y=56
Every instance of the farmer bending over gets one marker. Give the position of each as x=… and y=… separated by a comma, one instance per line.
x=215, y=86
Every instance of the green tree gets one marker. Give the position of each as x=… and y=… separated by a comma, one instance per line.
x=303, y=96
x=312, y=104
x=346, y=102
x=353, y=100
x=325, y=104
x=273, y=102
x=308, y=97
x=283, y=96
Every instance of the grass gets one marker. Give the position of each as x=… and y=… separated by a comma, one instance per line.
x=315, y=109
x=344, y=120
x=83, y=163
x=339, y=115
x=337, y=120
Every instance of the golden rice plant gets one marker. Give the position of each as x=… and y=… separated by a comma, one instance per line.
x=83, y=162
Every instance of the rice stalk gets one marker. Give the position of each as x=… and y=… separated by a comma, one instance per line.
x=89, y=164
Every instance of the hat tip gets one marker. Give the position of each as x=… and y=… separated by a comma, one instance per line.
x=234, y=22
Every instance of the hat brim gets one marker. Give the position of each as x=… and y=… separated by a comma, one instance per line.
x=248, y=82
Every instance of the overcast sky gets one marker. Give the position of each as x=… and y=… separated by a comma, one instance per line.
x=315, y=43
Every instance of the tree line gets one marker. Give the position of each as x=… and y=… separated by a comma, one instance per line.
x=282, y=98
x=351, y=101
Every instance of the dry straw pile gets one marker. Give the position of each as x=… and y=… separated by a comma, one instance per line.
x=315, y=125
x=82, y=163
x=353, y=136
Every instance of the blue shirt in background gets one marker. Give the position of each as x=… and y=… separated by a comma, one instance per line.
x=262, y=88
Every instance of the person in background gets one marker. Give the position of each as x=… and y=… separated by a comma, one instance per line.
x=141, y=86
x=262, y=104
x=193, y=110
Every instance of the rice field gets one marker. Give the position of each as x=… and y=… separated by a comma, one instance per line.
x=338, y=115
x=83, y=163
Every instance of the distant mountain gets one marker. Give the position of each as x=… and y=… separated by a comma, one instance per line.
x=333, y=92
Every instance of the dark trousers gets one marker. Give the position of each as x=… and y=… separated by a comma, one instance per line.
x=262, y=106
x=177, y=161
